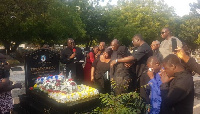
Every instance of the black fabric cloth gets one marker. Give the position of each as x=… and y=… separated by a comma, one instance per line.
x=100, y=68
x=141, y=54
x=193, y=65
x=73, y=65
x=121, y=52
x=4, y=73
x=119, y=73
x=103, y=84
x=119, y=68
x=144, y=88
x=178, y=94
x=158, y=55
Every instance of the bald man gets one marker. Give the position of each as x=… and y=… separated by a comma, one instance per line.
x=166, y=44
x=102, y=46
x=119, y=73
x=71, y=56
x=155, y=48
x=140, y=55
x=138, y=58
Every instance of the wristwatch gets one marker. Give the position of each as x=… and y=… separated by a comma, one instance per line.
x=116, y=60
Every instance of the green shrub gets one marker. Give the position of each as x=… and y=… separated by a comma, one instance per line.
x=126, y=103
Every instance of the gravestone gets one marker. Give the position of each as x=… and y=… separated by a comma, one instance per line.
x=40, y=63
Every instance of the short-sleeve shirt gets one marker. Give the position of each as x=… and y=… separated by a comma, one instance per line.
x=141, y=54
x=166, y=46
x=100, y=68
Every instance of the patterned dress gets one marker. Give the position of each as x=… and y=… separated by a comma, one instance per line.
x=6, y=103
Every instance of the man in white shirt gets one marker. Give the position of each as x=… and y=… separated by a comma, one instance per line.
x=166, y=45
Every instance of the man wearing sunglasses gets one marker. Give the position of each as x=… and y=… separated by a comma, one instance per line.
x=166, y=46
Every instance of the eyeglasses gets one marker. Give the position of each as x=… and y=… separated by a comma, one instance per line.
x=162, y=32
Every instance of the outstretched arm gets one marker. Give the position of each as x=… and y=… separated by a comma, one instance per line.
x=122, y=60
x=191, y=62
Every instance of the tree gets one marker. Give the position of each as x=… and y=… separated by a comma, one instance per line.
x=195, y=8
x=190, y=26
x=38, y=21
x=92, y=15
x=146, y=17
x=190, y=31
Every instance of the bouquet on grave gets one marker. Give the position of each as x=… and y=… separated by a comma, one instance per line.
x=64, y=90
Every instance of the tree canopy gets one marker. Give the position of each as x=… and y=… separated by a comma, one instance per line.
x=87, y=21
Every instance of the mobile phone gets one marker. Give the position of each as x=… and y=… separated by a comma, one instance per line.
x=174, y=45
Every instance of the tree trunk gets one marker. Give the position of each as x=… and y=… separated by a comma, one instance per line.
x=9, y=47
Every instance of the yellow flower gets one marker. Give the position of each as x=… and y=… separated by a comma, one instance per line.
x=35, y=86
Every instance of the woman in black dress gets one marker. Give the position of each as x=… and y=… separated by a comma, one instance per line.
x=99, y=71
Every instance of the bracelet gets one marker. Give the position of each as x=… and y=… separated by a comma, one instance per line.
x=116, y=60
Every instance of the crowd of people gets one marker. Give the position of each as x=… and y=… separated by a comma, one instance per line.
x=160, y=72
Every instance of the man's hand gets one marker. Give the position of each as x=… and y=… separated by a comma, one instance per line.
x=72, y=56
x=182, y=55
x=150, y=74
x=99, y=53
x=164, y=77
x=18, y=85
x=6, y=81
x=7, y=66
x=128, y=65
x=92, y=78
x=113, y=62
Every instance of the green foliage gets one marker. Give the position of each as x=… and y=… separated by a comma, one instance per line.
x=190, y=31
x=38, y=21
x=190, y=26
x=126, y=103
x=53, y=21
x=146, y=17
x=198, y=40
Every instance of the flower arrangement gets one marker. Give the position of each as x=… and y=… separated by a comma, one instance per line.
x=63, y=90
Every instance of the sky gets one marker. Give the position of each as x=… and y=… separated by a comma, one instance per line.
x=181, y=6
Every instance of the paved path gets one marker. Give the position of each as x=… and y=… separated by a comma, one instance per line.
x=19, y=76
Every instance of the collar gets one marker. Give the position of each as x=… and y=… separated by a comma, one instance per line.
x=179, y=73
